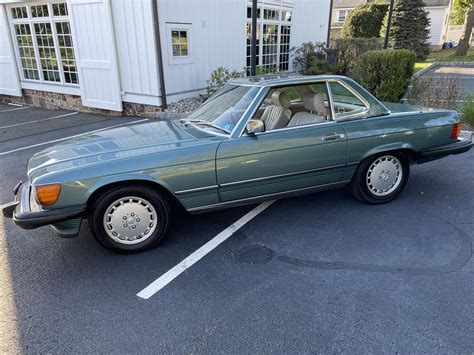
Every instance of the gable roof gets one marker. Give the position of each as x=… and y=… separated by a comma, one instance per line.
x=341, y=4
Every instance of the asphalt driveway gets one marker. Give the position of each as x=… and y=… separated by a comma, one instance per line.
x=320, y=273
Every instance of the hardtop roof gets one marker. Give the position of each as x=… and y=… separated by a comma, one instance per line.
x=281, y=79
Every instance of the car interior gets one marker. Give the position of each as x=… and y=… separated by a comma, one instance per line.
x=301, y=105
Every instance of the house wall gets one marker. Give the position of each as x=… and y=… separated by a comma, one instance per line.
x=439, y=23
x=310, y=21
x=136, y=51
x=217, y=30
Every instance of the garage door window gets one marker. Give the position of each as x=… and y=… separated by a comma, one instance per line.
x=42, y=34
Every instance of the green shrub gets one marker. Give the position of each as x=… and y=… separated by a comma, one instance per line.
x=365, y=21
x=321, y=66
x=385, y=73
x=307, y=54
x=219, y=77
x=468, y=110
x=347, y=50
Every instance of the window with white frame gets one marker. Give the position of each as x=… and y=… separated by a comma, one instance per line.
x=273, y=38
x=179, y=40
x=179, y=43
x=42, y=34
x=341, y=15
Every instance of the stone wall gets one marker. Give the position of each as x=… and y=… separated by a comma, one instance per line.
x=53, y=101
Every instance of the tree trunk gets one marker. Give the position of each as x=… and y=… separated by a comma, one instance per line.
x=463, y=45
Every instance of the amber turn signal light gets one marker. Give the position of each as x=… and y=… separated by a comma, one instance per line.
x=47, y=195
x=456, y=132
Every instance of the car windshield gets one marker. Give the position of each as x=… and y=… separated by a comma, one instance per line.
x=223, y=110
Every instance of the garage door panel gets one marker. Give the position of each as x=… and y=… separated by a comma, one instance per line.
x=9, y=81
x=96, y=55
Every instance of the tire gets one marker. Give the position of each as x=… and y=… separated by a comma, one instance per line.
x=129, y=219
x=381, y=178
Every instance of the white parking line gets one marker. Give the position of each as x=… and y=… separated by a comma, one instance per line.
x=14, y=109
x=16, y=105
x=177, y=270
x=66, y=138
x=41, y=120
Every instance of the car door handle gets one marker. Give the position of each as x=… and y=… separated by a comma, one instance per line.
x=333, y=136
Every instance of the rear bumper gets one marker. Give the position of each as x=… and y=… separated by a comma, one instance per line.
x=23, y=216
x=459, y=147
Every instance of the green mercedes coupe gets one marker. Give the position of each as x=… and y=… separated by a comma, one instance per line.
x=257, y=138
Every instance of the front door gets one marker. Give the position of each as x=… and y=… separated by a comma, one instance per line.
x=281, y=160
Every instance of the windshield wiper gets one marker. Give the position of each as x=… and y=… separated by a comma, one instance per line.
x=205, y=123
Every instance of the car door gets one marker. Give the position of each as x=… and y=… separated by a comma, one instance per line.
x=280, y=161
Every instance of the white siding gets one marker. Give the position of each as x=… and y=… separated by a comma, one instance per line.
x=438, y=17
x=218, y=39
x=310, y=21
x=136, y=50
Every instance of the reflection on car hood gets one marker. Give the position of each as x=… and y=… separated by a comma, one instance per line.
x=127, y=141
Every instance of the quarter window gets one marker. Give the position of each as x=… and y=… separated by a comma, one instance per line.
x=44, y=43
x=346, y=103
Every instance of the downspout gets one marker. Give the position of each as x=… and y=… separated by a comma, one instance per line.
x=159, y=53
x=253, y=48
x=331, y=5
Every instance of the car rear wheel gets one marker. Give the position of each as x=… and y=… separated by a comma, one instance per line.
x=381, y=178
x=129, y=219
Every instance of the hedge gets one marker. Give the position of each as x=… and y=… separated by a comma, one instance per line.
x=365, y=21
x=385, y=73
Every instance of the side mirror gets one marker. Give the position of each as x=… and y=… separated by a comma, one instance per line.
x=255, y=126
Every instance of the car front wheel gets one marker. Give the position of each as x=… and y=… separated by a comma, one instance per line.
x=129, y=219
x=381, y=178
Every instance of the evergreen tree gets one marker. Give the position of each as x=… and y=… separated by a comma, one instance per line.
x=411, y=27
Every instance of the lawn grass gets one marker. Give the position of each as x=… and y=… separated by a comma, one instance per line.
x=444, y=55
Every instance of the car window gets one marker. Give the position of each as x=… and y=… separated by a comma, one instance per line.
x=345, y=103
x=293, y=106
x=225, y=108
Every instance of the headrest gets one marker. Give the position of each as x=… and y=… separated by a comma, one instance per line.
x=314, y=102
x=279, y=98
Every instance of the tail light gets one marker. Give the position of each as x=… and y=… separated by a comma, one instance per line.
x=456, y=131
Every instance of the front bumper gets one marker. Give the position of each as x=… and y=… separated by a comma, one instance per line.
x=461, y=146
x=23, y=216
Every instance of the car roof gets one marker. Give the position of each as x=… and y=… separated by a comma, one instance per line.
x=281, y=79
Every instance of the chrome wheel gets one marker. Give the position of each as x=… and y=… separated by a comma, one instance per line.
x=384, y=175
x=130, y=220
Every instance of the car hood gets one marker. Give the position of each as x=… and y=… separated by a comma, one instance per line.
x=127, y=141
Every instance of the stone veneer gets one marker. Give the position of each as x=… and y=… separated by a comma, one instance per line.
x=51, y=101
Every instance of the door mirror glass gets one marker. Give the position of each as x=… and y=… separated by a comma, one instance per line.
x=255, y=126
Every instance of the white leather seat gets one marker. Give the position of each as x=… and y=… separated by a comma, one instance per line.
x=314, y=103
x=278, y=114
